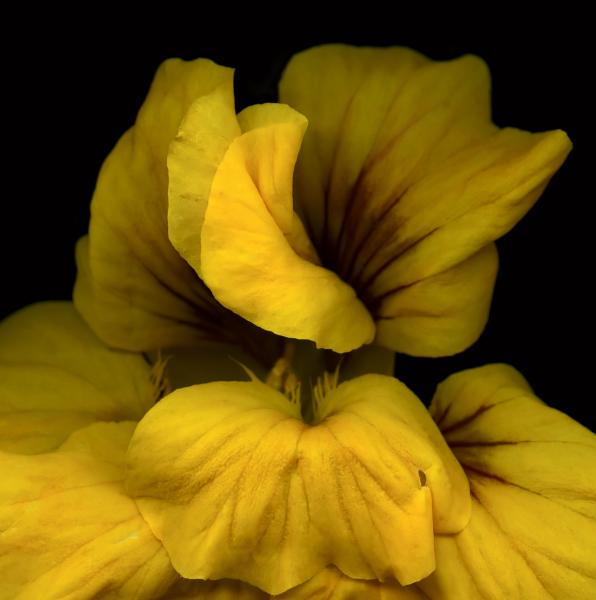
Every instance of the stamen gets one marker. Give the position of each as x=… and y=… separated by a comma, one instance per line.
x=282, y=378
x=324, y=384
x=159, y=380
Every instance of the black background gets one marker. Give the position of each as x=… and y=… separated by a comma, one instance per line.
x=71, y=91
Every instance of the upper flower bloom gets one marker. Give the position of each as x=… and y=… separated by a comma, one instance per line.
x=369, y=215
x=374, y=223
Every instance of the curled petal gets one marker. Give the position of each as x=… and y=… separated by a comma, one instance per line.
x=57, y=377
x=238, y=486
x=253, y=251
x=532, y=473
x=68, y=530
x=208, y=128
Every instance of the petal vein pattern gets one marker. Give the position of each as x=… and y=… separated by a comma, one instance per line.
x=404, y=183
x=69, y=531
x=240, y=487
x=132, y=287
x=532, y=472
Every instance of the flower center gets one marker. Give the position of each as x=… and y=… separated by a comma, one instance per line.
x=284, y=378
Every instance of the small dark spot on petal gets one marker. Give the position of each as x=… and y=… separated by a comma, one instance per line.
x=422, y=476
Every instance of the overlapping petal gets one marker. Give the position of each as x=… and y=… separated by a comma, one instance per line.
x=132, y=287
x=532, y=473
x=402, y=178
x=68, y=530
x=239, y=486
x=329, y=584
x=245, y=239
x=401, y=186
x=58, y=377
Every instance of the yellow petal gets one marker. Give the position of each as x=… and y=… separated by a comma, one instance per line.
x=238, y=486
x=532, y=473
x=345, y=93
x=133, y=288
x=255, y=254
x=223, y=589
x=402, y=178
x=484, y=190
x=441, y=314
x=331, y=584
x=57, y=377
x=208, y=128
x=68, y=529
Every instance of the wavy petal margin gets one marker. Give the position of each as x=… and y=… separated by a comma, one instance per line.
x=238, y=486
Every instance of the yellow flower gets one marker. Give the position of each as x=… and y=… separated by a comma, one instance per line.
x=224, y=481
x=384, y=229
x=369, y=215
x=362, y=209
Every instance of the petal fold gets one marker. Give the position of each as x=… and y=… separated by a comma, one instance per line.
x=532, y=473
x=58, y=377
x=255, y=254
x=69, y=530
x=238, y=486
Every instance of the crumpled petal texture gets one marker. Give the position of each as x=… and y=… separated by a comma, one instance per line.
x=402, y=178
x=58, y=377
x=133, y=288
x=532, y=473
x=68, y=529
x=238, y=486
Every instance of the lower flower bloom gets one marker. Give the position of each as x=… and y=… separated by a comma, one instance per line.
x=222, y=490
x=239, y=486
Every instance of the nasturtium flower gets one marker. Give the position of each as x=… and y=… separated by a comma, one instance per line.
x=247, y=490
x=222, y=490
x=362, y=209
